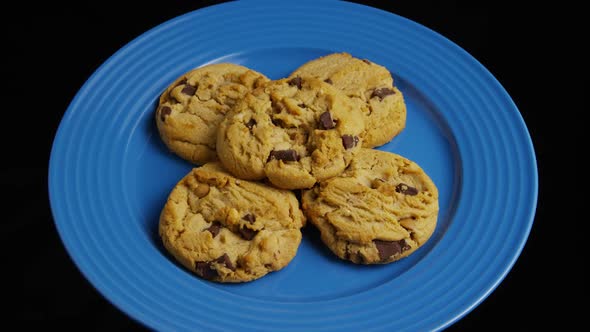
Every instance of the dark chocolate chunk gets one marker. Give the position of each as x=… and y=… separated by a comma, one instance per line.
x=224, y=259
x=189, y=90
x=204, y=270
x=389, y=248
x=214, y=229
x=329, y=81
x=382, y=93
x=164, y=112
x=406, y=190
x=249, y=218
x=247, y=233
x=349, y=141
x=251, y=123
x=302, y=105
x=367, y=61
x=296, y=81
x=284, y=155
x=326, y=121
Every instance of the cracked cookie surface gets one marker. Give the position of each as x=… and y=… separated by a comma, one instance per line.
x=369, y=85
x=380, y=209
x=230, y=230
x=293, y=131
x=191, y=108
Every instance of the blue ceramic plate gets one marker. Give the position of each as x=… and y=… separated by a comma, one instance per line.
x=110, y=175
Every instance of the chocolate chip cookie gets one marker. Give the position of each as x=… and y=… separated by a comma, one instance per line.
x=191, y=108
x=230, y=230
x=381, y=209
x=369, y=85
x=294, y=131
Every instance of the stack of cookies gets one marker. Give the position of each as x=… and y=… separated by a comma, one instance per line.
x=257, y=142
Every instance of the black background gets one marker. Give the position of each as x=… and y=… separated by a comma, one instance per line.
x=49, y=50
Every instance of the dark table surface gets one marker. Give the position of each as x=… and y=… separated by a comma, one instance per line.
x=50, y=50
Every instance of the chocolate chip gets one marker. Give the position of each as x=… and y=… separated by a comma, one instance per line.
x=189, y=90
x=284, y=155
x=164, y=112
x=367, y=61
x=302, y=105
x=249, y=218
x=329, y=81
x=247, y=233
x=295, y=81
x=406, y=190
x=214, y=229
x=251, y=123
x=326, y=121
x=382, y=93
x=224, y=259
x=204, y=270
x=389, y=248
x=349, y=141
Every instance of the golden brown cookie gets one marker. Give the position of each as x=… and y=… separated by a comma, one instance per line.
x=368, y=84
x=230, y=230
x=191, y=108
x=295, y=132
x=381, y=209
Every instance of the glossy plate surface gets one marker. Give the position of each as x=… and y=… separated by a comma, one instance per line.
x=110, y=175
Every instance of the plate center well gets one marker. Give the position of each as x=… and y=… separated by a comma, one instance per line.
x=315, y=274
